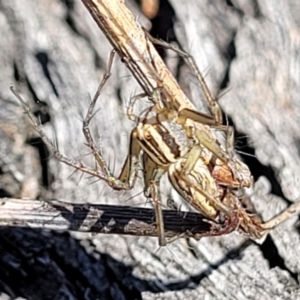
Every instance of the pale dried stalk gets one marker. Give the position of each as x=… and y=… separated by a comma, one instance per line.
x=133, y=46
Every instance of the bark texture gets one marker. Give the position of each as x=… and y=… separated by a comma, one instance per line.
x=56, y=55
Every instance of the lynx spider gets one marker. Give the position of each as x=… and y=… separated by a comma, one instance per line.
x=199, y=169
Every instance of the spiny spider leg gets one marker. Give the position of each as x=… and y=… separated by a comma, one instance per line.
x=86, y=122
x=104, y=172
x=73, y=163
x=212, y=103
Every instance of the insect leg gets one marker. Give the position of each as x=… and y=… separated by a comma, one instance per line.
x=286, y=214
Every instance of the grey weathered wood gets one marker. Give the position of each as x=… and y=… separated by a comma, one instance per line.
x=262, y=102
